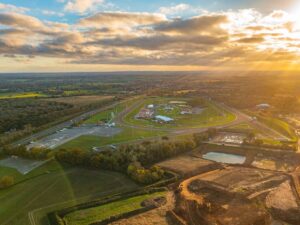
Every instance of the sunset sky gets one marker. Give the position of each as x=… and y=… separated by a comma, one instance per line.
x=114, y=35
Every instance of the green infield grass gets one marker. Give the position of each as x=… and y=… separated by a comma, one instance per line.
x=107, y=114
x=211, y=115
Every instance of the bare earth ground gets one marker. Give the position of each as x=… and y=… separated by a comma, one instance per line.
x=245, y=180
x=282, y=197
x=272, y=163
x=152, y=217
x=188, y=165
x=234, y=195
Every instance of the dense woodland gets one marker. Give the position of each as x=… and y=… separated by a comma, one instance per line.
x=15, y=114
x=69, y=84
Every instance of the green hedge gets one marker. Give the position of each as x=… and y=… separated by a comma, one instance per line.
x=171, y=178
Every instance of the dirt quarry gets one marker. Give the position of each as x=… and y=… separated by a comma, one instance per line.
x=237, y=196
x=283, y=203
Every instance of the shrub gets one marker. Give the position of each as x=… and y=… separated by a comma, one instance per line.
x=6, y=182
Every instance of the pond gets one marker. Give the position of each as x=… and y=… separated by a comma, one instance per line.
x=225, y=158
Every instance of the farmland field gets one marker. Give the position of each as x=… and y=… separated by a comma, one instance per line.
x=95, y=214
x=81, y=100
x=21, y=95
x=210, y=115
x=87, y=142
x=52, y=187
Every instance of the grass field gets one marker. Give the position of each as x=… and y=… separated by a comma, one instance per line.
x=243, y=127
x=127, y=135
x=269, y=141
x=279, y=125
x=211, y=115
x=77, y=92
x=21, y=95
x=53, y=187
x=96, y=214
x=106, y=115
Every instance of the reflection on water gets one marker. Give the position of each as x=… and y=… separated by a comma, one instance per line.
x=224, y=158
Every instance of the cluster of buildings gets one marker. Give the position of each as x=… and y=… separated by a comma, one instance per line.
x=145, y=113
x=149, y=112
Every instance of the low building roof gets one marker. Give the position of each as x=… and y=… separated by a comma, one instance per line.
x=163, y=118
x=263, y=105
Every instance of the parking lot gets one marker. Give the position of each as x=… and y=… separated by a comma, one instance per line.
x=24, y=166
x=67, y=134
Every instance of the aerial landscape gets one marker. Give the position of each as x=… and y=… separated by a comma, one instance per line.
x=149, y=113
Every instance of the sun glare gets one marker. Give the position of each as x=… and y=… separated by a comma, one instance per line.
x=295, y=13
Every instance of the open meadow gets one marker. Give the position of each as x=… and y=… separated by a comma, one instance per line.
x=53, y=186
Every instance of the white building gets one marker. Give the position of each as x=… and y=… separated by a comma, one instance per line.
x=164, y=119
x=263, y=106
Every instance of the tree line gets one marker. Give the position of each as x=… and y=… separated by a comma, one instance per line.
x=135, y=160
x=17, y=113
